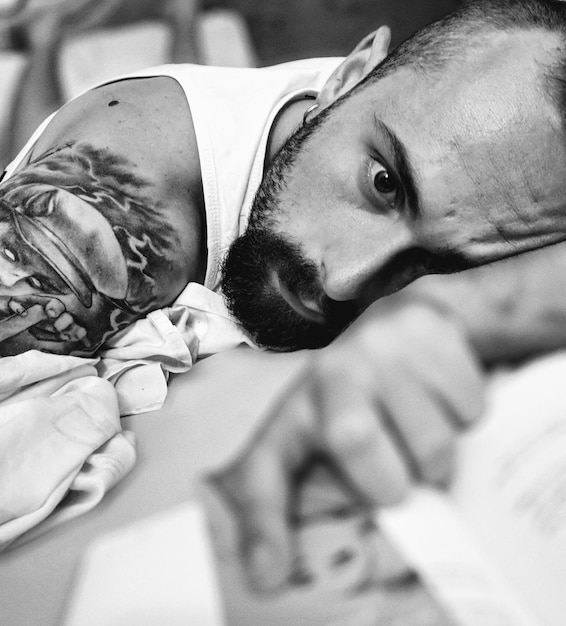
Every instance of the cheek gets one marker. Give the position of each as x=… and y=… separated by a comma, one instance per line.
x=320, y=180
x=321, y=227
x=298, y=211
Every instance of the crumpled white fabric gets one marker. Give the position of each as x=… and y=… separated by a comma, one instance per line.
x=61, y=442
x=138, y=361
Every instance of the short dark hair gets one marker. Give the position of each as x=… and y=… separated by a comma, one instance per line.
x=429, y=49
x=444, y=40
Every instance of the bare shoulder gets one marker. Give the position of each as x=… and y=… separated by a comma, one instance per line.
x=143, y=117
x=102, y=221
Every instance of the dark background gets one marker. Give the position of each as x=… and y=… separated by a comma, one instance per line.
x=283, y=30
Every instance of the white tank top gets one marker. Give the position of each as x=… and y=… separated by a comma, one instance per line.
x=232, y=110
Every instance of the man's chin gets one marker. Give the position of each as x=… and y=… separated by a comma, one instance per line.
x=285, y=343
x=273, y=323
x=271, y=289
x=287, y=332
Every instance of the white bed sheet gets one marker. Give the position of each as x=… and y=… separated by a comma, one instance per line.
x=209, y=414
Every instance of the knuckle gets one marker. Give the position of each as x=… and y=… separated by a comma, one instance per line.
x=351, y=365
x=349, y=435
x=382, y=340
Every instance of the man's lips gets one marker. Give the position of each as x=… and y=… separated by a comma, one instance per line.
x=306, y=308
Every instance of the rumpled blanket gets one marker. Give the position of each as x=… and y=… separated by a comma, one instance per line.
x=138, y=361
x=60, y=439
x=61, y=443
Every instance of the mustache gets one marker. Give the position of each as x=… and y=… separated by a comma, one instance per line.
x=259, y=307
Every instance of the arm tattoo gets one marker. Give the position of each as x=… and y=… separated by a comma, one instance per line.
x=83, y=251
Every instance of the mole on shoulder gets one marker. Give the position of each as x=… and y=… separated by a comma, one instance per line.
x=113, y=103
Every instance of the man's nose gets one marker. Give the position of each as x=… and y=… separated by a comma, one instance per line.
x=349, y=270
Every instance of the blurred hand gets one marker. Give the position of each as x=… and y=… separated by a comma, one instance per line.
x=379, y=407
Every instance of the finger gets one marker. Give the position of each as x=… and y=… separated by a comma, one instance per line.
x=17, y=308
x=354, y=438
x=257, y=488
x=425, y=395
x=421, y=423
x=419, y=343
x=466, y=396
x=259, y=484
x=450, y=368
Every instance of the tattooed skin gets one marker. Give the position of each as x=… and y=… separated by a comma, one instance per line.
x=83, y=251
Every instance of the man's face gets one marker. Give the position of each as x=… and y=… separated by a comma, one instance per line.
x=416, y=173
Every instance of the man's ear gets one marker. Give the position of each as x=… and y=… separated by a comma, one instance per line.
x=371, y=50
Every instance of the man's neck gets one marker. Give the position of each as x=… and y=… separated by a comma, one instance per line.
x=285, y=124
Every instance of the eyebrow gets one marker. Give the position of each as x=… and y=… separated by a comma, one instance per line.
x=402, y=166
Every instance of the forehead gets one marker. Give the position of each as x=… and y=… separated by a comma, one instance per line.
x=483, y=135
x=484, y=97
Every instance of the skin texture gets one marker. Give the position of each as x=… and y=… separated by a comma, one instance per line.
x=486, y=191
x=381, y=406
x=484, y=157
x=485, y=154
x=95, y=229
x=376, y=410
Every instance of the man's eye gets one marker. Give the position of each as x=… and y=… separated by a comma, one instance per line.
x=384, y=182
x=10, y=254
x=35, y=282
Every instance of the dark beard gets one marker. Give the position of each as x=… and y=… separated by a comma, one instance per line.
x=247, y=273
x=258, y=305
